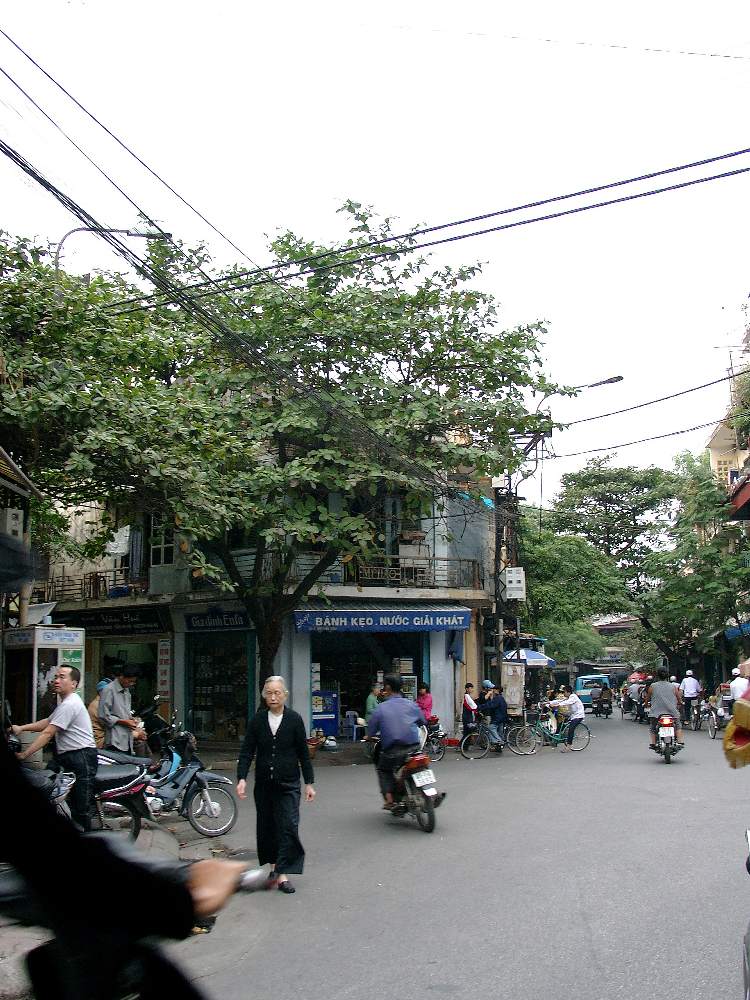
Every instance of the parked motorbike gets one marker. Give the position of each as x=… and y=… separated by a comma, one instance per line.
x=177, y=780
x=435, y=743
x=54, y=785
x=120, y=797
x=666, y=744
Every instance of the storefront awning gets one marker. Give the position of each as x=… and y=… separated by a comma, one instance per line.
x=531, y=657
x=384, y=618
x=735, y=633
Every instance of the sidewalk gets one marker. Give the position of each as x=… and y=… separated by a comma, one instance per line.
x=346, y=754
x=16, y=941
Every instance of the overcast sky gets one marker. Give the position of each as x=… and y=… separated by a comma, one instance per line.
x=269, y=116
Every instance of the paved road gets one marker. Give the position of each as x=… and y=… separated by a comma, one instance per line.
x=599, y=874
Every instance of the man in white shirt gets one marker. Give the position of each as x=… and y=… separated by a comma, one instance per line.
x=70, y=727
x=738, y=685
x=691, y=689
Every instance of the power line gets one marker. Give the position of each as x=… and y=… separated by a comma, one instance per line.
x=352, y=424
x=124, y=146
x=414, y=233
x=661, y=399
x=628, y=444
x=478, y=232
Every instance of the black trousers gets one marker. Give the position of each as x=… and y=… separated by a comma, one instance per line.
x=81, y=763
x=389, y=762
x=277, y=822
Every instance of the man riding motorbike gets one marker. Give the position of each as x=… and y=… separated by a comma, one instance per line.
x=661, y=698
x=396, y=720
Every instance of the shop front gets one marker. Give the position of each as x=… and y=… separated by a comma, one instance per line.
x=351, y=648
x=219, y=673
x=138, y=636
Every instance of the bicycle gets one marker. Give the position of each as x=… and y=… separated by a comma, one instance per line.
x=478, y=742
x=537, y=734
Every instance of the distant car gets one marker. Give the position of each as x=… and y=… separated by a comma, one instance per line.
x=586, y=683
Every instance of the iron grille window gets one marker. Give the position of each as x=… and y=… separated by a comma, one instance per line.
x=162, y=541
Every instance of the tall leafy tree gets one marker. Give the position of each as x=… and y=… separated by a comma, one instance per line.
x=371, y=378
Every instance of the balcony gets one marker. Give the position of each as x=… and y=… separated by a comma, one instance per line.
x=396, y=572
x=94, y=586
x=418, y=572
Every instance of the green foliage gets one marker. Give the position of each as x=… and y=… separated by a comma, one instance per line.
x=359, y=382
x=624, y=512
x=568, y=642
x=567, y=579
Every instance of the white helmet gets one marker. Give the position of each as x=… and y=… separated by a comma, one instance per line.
x=688, y=673
x=736, y=672
x=673, y=679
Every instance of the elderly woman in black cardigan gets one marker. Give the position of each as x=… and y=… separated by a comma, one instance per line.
x=277, y=740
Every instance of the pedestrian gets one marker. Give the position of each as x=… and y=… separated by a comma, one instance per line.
x=100, y=733
x=70, y=727
x=424, y=700
x=577, y=714
x=373, y=700
x=496, y=708
x=115, y=711
x=691, y=689
x=277, y=741
x=469, y=708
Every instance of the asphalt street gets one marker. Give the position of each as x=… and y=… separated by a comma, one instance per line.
x=598, y=874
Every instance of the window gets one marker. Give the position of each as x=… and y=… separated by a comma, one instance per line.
x=162, y=541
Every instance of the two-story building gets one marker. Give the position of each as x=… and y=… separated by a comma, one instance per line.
x=416, y=608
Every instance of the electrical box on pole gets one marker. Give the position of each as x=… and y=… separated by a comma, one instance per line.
x=513, y=583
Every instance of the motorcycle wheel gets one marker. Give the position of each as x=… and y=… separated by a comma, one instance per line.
x=221, y=800
x=474, y=746
x=425, y=812
x=696, y=721
x=581, y=737
x=436, y=749
x=712, y=727
x=667, y=755
x=120, y=819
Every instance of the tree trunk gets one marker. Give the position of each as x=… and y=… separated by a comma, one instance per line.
x=269, y=635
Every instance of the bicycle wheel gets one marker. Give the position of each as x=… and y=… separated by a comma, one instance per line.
x=524, y=742
x=581, y=737
x=696, y=723
x=712, y=727
x=474, y=746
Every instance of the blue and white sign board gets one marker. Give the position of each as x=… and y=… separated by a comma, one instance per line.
x=368, y=620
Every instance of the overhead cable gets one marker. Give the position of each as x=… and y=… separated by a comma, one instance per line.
x=661, y=399
x=628, y=444
x=414, y=233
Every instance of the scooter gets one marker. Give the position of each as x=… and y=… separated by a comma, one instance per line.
x=179, y=782
x=666, y=744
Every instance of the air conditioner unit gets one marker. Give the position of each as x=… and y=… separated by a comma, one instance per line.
x=11, y=522
x=513, y=583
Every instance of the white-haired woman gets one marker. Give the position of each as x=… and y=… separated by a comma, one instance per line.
x=277, y=740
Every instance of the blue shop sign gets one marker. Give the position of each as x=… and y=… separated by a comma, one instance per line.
x=395, y=620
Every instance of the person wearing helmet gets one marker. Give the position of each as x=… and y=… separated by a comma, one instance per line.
x=738, y=685
x=691, y=689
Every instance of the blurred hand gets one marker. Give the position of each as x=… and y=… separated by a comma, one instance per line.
x=242, y=788
x=309, y=793
x=211, y=883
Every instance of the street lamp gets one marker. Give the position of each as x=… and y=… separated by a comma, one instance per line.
x=604, y=381
x=100, y=230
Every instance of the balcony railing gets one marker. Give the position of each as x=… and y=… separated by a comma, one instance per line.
x=424, y=572
x=400, y=572
x=92, y=586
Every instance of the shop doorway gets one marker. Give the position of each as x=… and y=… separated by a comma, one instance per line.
x=220, y=684
x=142, y=655
x=350, y=661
